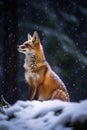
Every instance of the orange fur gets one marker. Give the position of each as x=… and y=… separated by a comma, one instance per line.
x=38, y=74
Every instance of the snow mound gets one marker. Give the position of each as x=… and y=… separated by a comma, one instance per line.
x=47, y=115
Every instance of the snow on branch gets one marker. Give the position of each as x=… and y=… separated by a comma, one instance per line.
x=47, y=115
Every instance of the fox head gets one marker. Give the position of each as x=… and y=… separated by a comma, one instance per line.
x=32, y=46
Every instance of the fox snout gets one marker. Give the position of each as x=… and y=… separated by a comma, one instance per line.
x=20, y=48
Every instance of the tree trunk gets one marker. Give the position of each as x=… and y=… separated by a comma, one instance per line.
x=10, y=50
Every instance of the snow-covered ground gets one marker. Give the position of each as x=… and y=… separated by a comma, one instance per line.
x=47, y=115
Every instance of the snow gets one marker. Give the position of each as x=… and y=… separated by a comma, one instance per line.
x=46, y=115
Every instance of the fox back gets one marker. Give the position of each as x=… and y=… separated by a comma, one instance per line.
x=38, y=74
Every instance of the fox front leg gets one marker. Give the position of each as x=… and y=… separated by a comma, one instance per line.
x=32, y=92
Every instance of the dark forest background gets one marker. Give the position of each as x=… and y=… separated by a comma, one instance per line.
x=62, y=27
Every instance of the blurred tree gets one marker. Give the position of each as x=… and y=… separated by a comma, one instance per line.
x=10, y=50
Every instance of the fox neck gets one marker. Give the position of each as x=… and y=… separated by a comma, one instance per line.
x=32, y=62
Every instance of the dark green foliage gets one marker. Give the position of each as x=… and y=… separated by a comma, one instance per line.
x=61, y=31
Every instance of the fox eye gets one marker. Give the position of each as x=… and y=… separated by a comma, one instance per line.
x=26, y=44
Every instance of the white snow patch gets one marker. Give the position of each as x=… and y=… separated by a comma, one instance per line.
x=47, y=115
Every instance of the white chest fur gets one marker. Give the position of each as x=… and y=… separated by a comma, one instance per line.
x=29, y=66
x=31, y=75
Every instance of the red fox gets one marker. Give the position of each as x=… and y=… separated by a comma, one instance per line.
x=38, y=74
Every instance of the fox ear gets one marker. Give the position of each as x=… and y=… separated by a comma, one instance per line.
x=29, y=36
x=35, y=38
